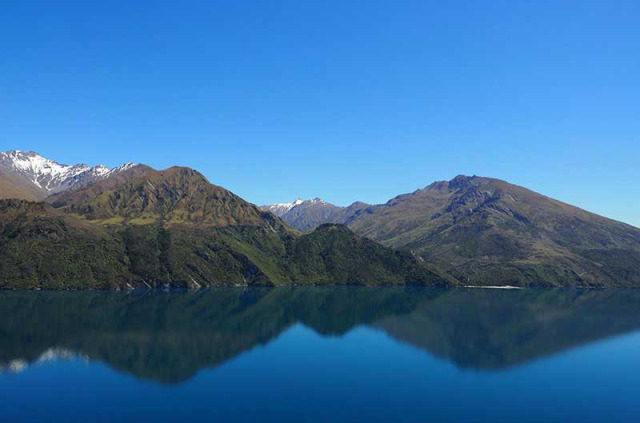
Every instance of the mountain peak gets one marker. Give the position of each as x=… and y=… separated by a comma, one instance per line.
x=461, y=181
x=47, y=176
x=306, y=215
x=177, y=195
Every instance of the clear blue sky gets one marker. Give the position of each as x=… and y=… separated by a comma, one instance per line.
x=345, y=100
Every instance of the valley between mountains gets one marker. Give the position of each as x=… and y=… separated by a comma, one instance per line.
x=75, y=227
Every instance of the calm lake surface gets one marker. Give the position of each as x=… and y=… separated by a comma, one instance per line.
x=321, y=354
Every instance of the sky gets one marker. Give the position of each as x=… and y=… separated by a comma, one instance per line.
x=343, y=100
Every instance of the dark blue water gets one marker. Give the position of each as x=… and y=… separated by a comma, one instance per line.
x=321, y=355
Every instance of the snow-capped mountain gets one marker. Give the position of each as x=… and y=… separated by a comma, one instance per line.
x=48, y=176
x=308, y=214
x=280, y=209
x=92, y=175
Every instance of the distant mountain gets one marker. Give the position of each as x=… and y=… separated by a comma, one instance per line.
x=309, y=214
x=279, y=209
x=487, y=231
x=29, y=176
x=141, y=227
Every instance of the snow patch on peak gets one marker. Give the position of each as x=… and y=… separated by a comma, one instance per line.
x=51, y=176
x=281, y=208
x=124, y=167
x=289, y=205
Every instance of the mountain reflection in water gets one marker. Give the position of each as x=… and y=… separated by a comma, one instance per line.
x=169, y=336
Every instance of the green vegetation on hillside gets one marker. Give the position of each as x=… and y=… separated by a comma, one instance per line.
x=174, y=229
x=144, y=227
x=487, y=231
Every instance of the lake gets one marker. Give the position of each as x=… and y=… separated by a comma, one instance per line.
x=320, y=354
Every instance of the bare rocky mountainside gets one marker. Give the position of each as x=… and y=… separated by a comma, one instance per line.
x=140, y=227
x=488, y=232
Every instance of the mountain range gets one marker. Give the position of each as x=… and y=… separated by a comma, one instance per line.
x=137, y=227
x=487, y=231
x=92, y=227
x=30, y=176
